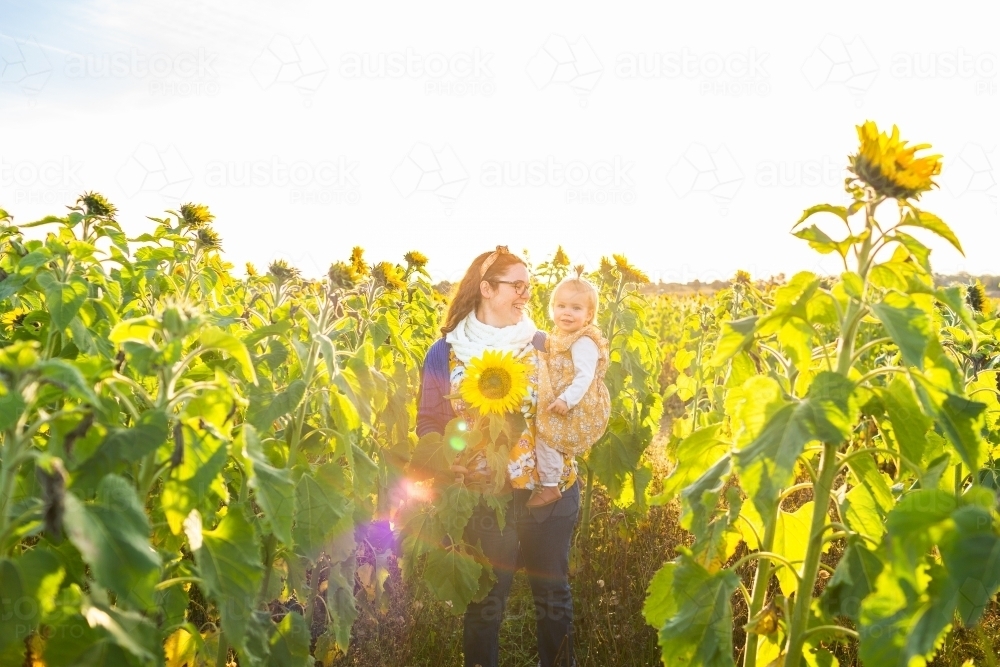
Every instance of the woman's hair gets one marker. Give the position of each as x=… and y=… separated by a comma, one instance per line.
x=578, y=284
x=466, y=297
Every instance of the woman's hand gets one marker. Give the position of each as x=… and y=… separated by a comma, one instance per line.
x=460, y=473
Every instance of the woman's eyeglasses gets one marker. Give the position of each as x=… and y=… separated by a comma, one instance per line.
x=519, y=286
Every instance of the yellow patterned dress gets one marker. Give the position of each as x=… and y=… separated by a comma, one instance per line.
x=521, y=466
x=577, y=431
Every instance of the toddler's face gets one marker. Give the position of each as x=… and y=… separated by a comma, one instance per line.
x=571, y=310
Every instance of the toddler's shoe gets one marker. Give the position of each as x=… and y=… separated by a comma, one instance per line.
x=544, y=496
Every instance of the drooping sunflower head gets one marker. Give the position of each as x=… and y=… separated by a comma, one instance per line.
x=629, y=273
x=282, y=271
x=94, y=203
x=358, y=260
x=388, y=275
x=890, y=167
x=560, y=259
x=208, y=239
x=975, y=296
x=195, y=215
x=415, y=259
x=343, y=275
x=495, y=383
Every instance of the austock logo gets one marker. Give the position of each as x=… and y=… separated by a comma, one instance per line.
x=713, y=172
x=975, y=170
x=323, y=182
x=560, y=62
x=437, y=172
x=23, y=64
x=598, y=182
x=170, y=74
x=455, y=74
x=736, y=73
x=151, y=170
x=836, y=62
x=48, y=181
x=284, y=62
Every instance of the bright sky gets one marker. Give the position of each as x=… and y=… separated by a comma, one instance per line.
x=688, y=136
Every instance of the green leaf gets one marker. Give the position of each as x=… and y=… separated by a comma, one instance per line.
x=909, y=423
x=700, y=633
x=318, y=507
x=123, y=445
x=915, y=599
x=263, y=332
x=192, y=484
x=828, y=413
x=112, y=535
x=791, y=538
x=275, y=491
x=934, y=224
x=660, y=604
x=11, y=407
x=695, y=454
x=839, y=211
x=960, y=418
x=734, y=336
x=228, y=560
x=453, y=575
x=29, y=584
x=852, y=581
x=455, y=509
x=290, y=643
x=907, y=324
x=818, y=240
x=265, y=407
x=214, y=338
x=340, y=584
x=98, y=635
x=62, y=300
x=70, y=379
x=867, y=505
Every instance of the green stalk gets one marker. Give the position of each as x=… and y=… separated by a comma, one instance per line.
x=829, y=465
x=810, y=568
x=587, y=496
x=760, y=582
x=307, y=376
x=222, y=657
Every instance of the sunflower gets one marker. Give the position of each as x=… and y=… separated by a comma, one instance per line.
x=495, y=383
x=890, y=167
x=389, y=276
x=13, y=318
x=975, y=297
x=195, y=215
x=415, y=260
x=343, y=275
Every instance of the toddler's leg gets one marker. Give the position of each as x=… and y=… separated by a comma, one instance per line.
x=549, y=462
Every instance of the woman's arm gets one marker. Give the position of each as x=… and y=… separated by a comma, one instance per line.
x=433, y=409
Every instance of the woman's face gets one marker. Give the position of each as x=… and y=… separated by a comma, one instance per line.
x=502, y=306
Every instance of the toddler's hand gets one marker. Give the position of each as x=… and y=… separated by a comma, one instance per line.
x=559, y=407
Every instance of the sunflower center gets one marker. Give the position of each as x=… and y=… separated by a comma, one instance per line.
x=495, y=383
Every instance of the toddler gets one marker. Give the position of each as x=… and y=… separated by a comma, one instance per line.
x=574, y=404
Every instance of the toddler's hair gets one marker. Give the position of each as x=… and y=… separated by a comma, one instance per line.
x=578, y=284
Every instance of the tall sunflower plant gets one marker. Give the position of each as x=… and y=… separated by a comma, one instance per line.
x=842, y=502
x=449, y=473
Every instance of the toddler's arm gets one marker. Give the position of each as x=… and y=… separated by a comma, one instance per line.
x=585, y=356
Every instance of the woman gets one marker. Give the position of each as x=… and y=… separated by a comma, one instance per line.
x=487, y=313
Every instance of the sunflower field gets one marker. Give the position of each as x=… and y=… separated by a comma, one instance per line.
x=198, y=468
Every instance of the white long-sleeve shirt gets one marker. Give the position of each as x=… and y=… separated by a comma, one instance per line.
x=585, y=357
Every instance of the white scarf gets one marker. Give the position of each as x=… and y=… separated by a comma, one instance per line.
x=471, y=338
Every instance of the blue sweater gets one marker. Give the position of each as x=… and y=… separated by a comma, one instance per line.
x=434, y=411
